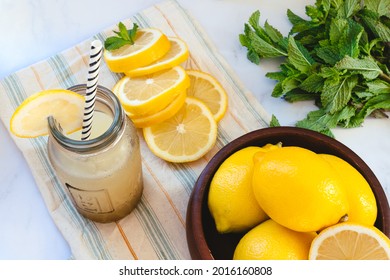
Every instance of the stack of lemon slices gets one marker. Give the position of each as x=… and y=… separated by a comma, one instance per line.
x=177, y=109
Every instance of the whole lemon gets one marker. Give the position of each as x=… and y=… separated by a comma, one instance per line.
x=299, y=189
x=272, y=241
x=362, y=203
x=231, y=200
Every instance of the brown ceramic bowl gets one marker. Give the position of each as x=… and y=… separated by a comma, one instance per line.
x=202, y=237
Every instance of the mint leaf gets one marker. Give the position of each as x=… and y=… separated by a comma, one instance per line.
x=337, y=30
x=113, y=43
x=279, y=76
x=327, y=72
x=278, y=90
x=263, y=48
x=337, y=92
x=349, y=43
x=322, y=121
x=244, y=40
x=299, y=56
x=329, y=54
x=296, y=95
x=275, y=36
x=337, y=4
x=254, y=20
x=274, y=121
x=344, y=39
x=381, y=101
x=132, y=33
x=299, y=24
x=319, y=121
x=290, y=83
x=123, y=32
x=314, y=83
x=374, y=24
x=365, y=66
x=124, y=37
x=378, y=87
x=253, y=56
x=351, y=7
x=382, y=7
x=254, y=23
x=344, y=116
x=324, y=5
x=258, y=43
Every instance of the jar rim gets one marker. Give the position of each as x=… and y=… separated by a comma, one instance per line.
x=108, y=98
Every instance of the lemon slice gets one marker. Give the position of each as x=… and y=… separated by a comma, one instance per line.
x=177, y=54
x=117, y=85
x=149, y=94
x=30, y=118
x=350, y=241
x=185, y=137
x=141, y=121
x=149, y=45
x=207, y=89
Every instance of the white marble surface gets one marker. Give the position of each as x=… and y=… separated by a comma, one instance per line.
x=32, y=30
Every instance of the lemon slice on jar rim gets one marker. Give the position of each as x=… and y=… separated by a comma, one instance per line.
x=30, y=118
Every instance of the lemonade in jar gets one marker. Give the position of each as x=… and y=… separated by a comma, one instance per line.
x=103, y=175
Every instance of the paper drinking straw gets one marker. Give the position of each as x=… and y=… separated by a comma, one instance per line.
x=92, y=82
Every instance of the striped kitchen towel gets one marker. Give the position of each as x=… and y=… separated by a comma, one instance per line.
x=156, y=228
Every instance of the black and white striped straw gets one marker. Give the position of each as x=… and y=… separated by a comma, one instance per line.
x=92, y=83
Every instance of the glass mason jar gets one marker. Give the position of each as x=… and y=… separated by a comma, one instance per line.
x=102, y=175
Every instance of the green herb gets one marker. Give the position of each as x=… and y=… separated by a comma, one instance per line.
x=339, y=57
x=124, y=37
x=274, y=121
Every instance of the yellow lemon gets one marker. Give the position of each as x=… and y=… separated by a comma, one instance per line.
x=272, y=241
x=149, y=45
x=187, y=136
x=362, y=203
x=299, y=189
x=30, y=118
x=268, y=147
x=231, y=200
x=350, y=241
x=177, y=54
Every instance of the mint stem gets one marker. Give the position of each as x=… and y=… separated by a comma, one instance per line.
x=384, y=77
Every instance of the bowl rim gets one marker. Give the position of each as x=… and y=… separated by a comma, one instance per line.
x=196, y=241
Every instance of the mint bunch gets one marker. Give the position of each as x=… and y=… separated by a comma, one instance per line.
x=339, y=57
